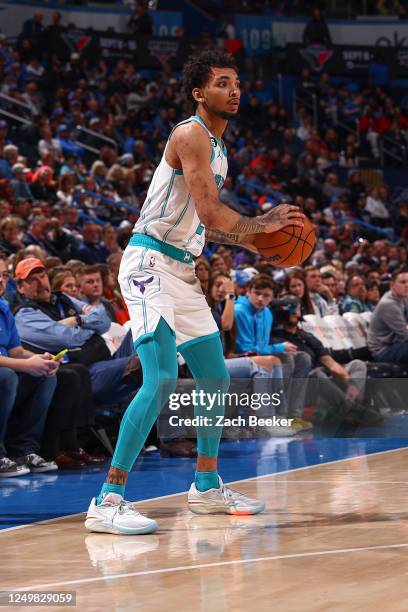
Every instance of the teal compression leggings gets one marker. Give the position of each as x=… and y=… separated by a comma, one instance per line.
x=158, y=356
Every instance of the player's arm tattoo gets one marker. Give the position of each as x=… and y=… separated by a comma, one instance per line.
x=256, y=225
x=221, y=237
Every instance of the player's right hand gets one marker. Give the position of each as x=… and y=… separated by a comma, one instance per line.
x=40, y=365
x=281, y=216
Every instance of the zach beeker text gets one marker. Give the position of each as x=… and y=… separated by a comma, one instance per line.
x=251, y=420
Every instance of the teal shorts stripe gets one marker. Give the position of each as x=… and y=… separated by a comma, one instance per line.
x=167, y=249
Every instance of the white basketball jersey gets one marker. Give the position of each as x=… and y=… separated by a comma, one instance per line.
x=169, y=212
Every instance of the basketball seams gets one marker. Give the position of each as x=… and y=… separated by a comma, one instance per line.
x=305, y=248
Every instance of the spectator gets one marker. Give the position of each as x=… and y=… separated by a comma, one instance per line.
x=65, y=282
x=254, y=322
x=113, y=293
x=49, y=145
x=322, y=305
x=54, y=321
x=42, y=185
x=295, y=284
x=388, y=331
x=38, y=234
x=19, y=183
x=90, y=251
x=344, y=402
x=316, y=31
x=140, y=23
x=356, y=294
x=67, y=145
x=27, y=385
x=10, y=235
x=373, y=294
x=376, y=207
x=202, y=270
x=90, y=289
x=7, y=161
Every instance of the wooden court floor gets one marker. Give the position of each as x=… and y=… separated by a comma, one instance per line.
x=334, y=537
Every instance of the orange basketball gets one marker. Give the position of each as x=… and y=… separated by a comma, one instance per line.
x=289, y=246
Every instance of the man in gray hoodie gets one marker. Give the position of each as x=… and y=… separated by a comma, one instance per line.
x=388, y=331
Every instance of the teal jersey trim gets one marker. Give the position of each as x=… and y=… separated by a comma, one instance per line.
x=220, y=143
x=169, y=189
x=183, y=212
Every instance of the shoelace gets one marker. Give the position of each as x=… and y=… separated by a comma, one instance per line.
x=34, y=459
x=229, y=493
x=124, y=506
x=7, y=462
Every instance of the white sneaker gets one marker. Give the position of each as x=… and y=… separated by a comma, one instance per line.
x=38, y=465
x=115, y=515
x=10, y=469
x=222, y=501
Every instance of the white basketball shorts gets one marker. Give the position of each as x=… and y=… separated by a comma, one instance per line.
x=155, y=285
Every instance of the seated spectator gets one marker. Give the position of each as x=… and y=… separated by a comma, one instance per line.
x=66, y=188
x=68, y=146
x=326, y=254
x=7, y=161
x=344, y=401
x=202, y=270
x=376, y=206
x=90, y=251
x=65, y=282
x=254, y=321
x=53, y=321
x=27, y=385
x=356, y=294
x=10, y=235
x=320, y=295
x=388, y=331
x=48, y=144
x=221, y=298
x=38, y=234
x=42, y=185
x=21, y=189
x=295, y=284
x=90, y=289
x=109, y=239
x=373, y=294
x=112, y=290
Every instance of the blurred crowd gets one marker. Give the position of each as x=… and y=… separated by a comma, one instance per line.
x=73, y=178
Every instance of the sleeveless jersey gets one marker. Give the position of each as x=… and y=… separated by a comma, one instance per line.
x=168, y=213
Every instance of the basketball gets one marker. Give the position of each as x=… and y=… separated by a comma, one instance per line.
x=289, y=246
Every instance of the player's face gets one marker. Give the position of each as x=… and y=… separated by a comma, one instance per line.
x=220, y=96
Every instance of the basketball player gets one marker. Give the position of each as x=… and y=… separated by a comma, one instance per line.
x=168, y=311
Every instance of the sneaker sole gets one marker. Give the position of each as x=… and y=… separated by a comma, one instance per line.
x=199, y=508
x=15, y=473
x=39, y=470
x=100, y=527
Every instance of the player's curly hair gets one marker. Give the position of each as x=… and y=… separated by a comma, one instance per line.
x=197, y=70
